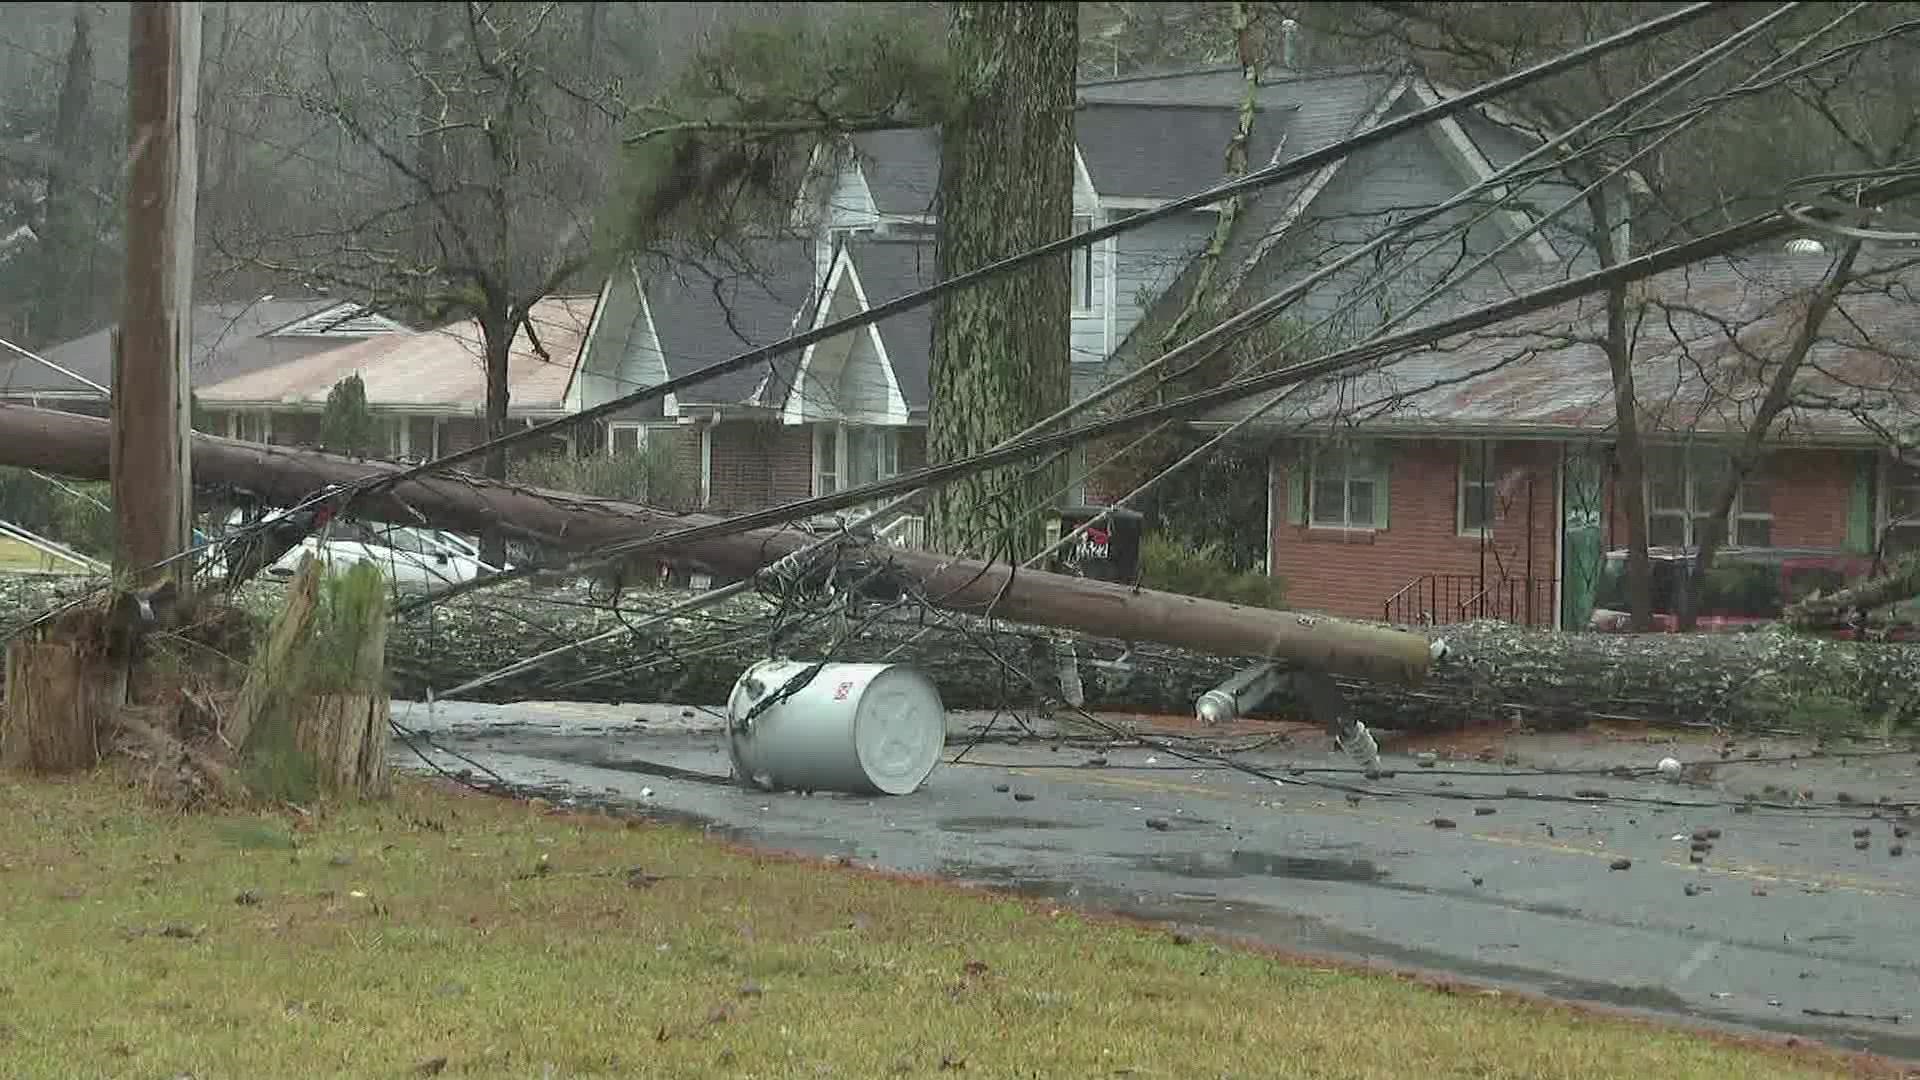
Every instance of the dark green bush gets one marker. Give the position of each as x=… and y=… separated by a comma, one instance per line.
x=1206, y=571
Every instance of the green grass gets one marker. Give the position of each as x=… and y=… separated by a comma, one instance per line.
x=15, y=555
x=508, y=941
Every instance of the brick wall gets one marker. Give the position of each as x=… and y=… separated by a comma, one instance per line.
x=1351, y=574
x=755, y=464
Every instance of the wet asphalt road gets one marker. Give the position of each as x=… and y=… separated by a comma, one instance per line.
x=1784, y=921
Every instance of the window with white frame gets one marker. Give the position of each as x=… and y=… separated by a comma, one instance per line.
x=626, y=438
x=1478, y=461
x=1345, y=492
x=1087, y=293
x=1903, y=509
x=849, y=455
x=1682, y=485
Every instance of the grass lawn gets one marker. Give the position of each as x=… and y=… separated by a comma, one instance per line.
x=15, y=555
x=453, y=934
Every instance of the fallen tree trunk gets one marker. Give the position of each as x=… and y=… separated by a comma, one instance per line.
x=78, y=446
x=1817, y=612
x=1497, y=672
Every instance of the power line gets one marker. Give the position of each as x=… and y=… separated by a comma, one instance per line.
x=1253, y=181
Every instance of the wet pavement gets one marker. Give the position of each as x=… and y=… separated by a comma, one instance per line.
x=1510, y=861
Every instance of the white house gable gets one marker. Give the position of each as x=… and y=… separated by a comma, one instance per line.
x=847, y=378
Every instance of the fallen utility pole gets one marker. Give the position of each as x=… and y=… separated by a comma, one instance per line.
x=78, y=446
x=151, y=467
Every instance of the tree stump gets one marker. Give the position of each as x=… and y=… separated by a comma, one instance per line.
x=346, y=736
x=53, y=700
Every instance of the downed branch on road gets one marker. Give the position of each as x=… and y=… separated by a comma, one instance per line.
x=1839, y=609
x=1497, y=672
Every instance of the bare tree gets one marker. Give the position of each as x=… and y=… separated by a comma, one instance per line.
x=486, y=133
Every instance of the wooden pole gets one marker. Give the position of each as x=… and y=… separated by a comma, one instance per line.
x=152, y=425
x=74, y=445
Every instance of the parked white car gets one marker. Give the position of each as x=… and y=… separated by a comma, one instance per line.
x=411, y=559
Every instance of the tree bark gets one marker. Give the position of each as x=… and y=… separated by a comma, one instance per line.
x=51, y=723
x=1001, y=349
x=289, y=633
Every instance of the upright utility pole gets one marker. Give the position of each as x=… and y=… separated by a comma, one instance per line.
x=152, y=412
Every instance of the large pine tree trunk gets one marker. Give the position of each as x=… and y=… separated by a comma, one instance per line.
x=1001, y=348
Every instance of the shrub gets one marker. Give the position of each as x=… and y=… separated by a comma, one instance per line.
x=650, y=475
x=75, y=514
x=1204, y=570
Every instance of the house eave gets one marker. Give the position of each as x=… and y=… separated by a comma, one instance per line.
x=1523, y=432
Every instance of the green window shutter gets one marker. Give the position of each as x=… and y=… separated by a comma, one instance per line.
x=1382, y=474
x=1860, y=505
x=1297, y=487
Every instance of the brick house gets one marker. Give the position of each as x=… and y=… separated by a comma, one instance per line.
x=1476, y=478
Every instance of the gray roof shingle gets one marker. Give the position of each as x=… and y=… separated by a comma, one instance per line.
x=1150, y=136
x=888, y=270
x=708, y=310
